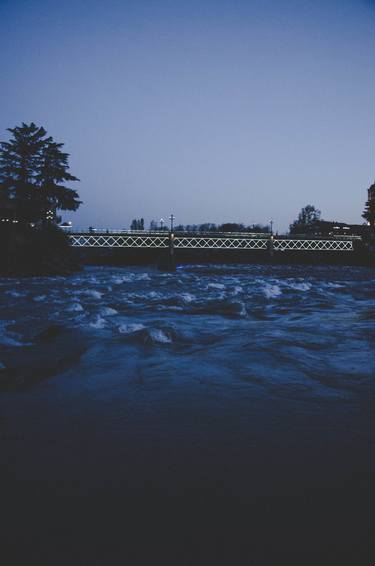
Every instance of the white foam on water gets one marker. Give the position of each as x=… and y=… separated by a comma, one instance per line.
x=108, y=311
x=153, y=295
x=215, y=286
x=242, y=309
x=157, y=335
x=39, y=298
x=143, y=277
x=75, y=307
x=271, y=291
x=15, y=294
x=334, y=285
x=8, y=341
x=187, y=298
x=130, y=328
x=8, y=338
x=118, y=280
x=99, y=323
x=300, y=286
x=238, y=289
x=93, y=293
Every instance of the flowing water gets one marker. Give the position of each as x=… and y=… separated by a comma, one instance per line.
x=236, y=379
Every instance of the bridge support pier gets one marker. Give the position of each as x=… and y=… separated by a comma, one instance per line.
x=171, y=256
x=270, y=248
x=168, y=263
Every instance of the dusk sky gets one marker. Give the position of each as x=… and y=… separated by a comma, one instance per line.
x=214, y=110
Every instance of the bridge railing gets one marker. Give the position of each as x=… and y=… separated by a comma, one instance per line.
x=181, y=240
x=165, y=233
x=197, y=234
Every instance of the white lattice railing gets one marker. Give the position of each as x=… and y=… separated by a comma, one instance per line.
x=149, y=240
x=220, y=243
x=313, y=245
x=118, y=241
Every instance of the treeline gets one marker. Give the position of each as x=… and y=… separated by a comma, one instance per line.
x=310, y=223
x=137, y=224
x=211, y=227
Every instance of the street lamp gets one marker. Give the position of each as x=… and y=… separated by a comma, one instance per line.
x=161, y=223
x=271, y=225
x=171, y=218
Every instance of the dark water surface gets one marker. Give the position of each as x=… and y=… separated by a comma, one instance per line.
x=239, y=384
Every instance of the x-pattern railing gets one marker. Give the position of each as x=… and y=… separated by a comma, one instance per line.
x=313, y=245
x=139, y=240
x=221, y=243
x=113, y=241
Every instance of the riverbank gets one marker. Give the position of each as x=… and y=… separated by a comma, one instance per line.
x=35, y=251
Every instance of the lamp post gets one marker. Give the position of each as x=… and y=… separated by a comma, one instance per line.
x=171, y=219
x=161, y=223
x=271, y=225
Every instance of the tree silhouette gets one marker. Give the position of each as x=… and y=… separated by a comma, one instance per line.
x=53, y=173
x=306, y=220
x=369, y=212
x=33, y=173
x=137, y=224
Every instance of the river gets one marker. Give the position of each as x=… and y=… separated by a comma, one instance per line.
x=236, y=381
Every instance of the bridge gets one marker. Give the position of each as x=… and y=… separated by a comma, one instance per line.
x=206, y=241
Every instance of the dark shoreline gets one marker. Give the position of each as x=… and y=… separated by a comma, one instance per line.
x=148, y=257
x=38, y=251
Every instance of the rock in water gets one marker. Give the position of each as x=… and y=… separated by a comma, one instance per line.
x=50, y=333
x=55, y=349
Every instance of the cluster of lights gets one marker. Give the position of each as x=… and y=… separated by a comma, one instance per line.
x=9, y=220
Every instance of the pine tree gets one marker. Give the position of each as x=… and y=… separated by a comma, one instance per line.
x=53, y=173
x=19, y=162
x=369, y=212
x=33, y=170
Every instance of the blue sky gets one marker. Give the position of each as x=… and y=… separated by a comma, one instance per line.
x=213, y=110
